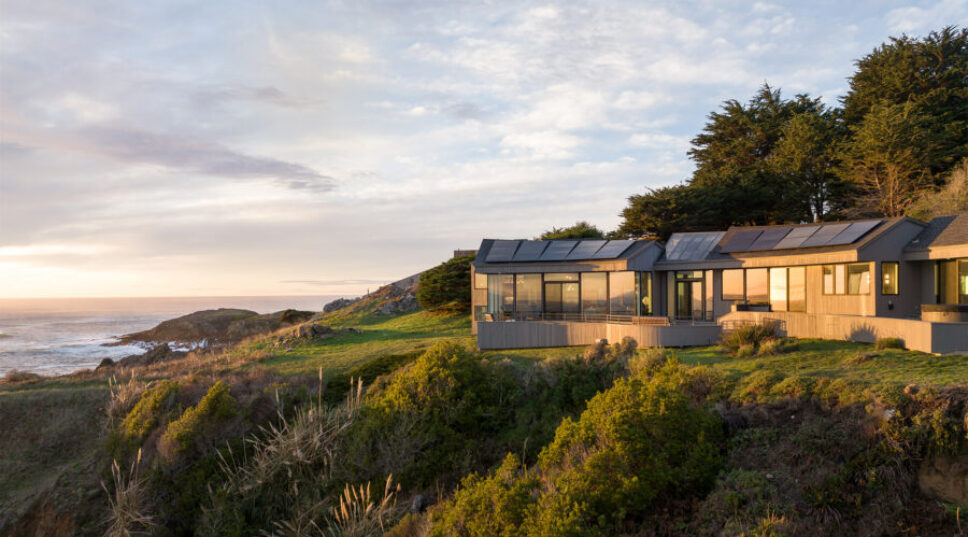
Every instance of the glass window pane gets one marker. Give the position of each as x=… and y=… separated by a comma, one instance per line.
x=963, y=282
x=561, y=276
x=840, y=279
x=689, y=274
x=500, y=294
x=645, y=293
x=828, y=279
x=709, y=295
x=888, y=278
x=778, y=289
x=733, y=284
x=480, y=281
x=528, y=289
x=798, y=289
x=858, y=279
x=570, y=302
x=756, y=286
x=621, y=293
x=594, y=292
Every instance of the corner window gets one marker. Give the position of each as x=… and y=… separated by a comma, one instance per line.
x=480, y=281
x=889, y=271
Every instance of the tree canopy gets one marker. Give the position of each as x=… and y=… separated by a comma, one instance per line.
x=447, y=287
x=580, y=230
x=901, y=133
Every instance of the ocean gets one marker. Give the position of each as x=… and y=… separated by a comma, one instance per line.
x=54, y=336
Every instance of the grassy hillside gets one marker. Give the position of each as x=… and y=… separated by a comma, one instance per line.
x=51, y=463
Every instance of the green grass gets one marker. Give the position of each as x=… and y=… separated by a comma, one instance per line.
x=381, y=335
x=838, y=359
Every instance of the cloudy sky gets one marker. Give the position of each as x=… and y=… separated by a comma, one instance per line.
x=285, y=148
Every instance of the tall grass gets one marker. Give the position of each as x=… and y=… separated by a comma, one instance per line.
x=129, y=514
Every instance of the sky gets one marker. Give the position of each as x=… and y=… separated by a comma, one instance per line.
x=324, y=148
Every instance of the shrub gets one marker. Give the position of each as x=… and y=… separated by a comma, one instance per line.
x=749, y=335
x=340, y=384
x=793, y=386
x=15, y=376
x=648, y=360
x=777, y=346
x=197, y=421
x=745, y=351
x=495, y=505
x=600, y=353
x=146, y=414
x=635, y=443
x=447, y=287
x=889, y=343
x=435, y=416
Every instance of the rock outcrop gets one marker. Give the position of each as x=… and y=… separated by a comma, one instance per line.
x=215, y=328
x=340, y=303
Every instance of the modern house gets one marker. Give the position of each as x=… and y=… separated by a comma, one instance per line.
x=859, y=280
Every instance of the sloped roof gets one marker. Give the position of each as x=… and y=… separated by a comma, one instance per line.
x=694, y=246
x=942, y=231
x=556, y=250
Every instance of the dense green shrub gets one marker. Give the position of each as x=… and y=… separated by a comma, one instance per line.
x=636, y=442
x=338, y=385
x=889, y=343
x=775, y=346
x=756, y=386
x=447, y=287
x=157, y=400
x=648, y=360
x=196, y=422
x=492, y=506
x=749, y=335
x=438, y=415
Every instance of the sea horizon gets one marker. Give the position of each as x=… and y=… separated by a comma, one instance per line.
x=54, y=336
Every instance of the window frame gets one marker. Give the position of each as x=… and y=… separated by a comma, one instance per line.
x=742, y=284
x=897, y=276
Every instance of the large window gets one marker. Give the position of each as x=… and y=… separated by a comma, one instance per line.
x=528, y=293
x=757, y=288
x=889, y=284
x=500, y=294
x=733, y=288
x=645, y=293
x=778, y=289
x=797, y=286
x=859, y=279
x=480, y=281
x=854, y=279
x=963, y=282
x=594, y=292
x=621, y=293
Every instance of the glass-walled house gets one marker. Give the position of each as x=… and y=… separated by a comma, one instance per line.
x=857, y=280
x=564, y=280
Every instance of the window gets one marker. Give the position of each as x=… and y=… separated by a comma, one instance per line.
x=778, y=289
x=859, y=279
x=500, y=294
x=480, y=281
x=561, y=277
x=709, y=295
x=594, y=292
x=528, y=292
x=733, y=285
x=645, y=293
x=797, y=286
x=889, y=278
x=963, y=282
x=756, y=285
x=621, y=293
x=828, y=279
x=689, y=274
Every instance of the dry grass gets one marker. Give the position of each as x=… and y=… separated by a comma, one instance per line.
x=16, y=376
x=358, y=515
x=123, y=398
x=129, y=514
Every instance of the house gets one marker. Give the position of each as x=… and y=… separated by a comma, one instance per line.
x=857, y=280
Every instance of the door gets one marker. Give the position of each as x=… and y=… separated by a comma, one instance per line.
x=561, y=298
x=689, y=300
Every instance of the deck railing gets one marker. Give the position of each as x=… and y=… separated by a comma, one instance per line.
x=575, y=318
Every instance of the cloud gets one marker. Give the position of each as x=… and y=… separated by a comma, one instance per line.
x=924, y=19
x=192, y=155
